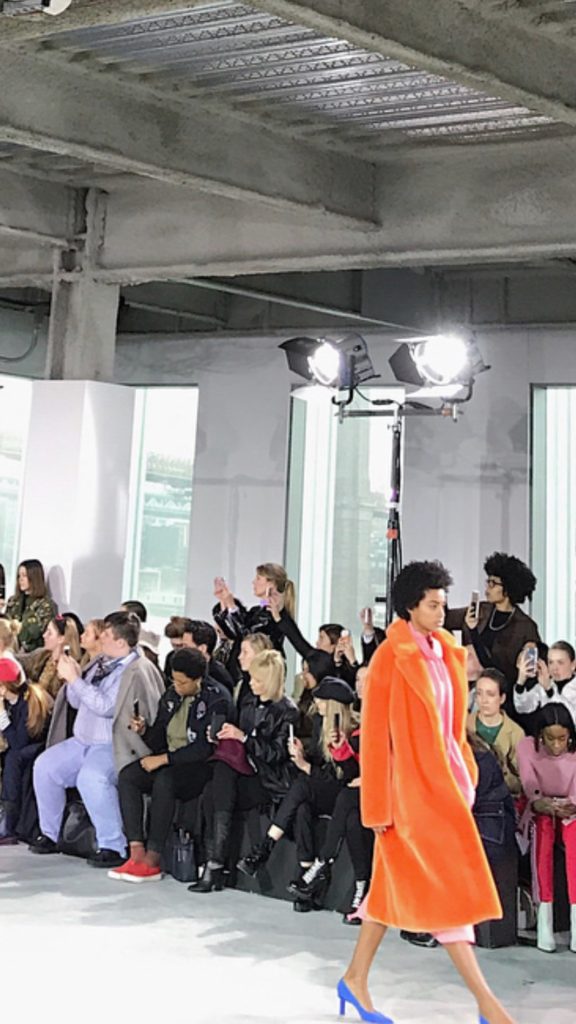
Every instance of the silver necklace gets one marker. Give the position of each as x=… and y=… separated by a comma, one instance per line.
x=496, y=629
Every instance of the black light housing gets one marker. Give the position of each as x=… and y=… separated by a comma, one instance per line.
x=340, y=362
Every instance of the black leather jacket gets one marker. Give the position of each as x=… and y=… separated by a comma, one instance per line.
x=266, y=724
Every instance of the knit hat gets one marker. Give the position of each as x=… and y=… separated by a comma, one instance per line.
x=332, y=688
x=9, y=671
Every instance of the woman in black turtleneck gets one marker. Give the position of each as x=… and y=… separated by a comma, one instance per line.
x=501, y=629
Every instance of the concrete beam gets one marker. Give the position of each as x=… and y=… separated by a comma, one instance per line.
x=503, y=203
x=61, y=109
x=488, y=46
x=33, y=211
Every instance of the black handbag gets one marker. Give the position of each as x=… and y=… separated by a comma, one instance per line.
x=77, y=836
x=179, y=859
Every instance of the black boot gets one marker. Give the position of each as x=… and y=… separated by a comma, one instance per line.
x=313, y=882
x=212, y=880
x=360, y=890
x=423, y=939
x=257, y=857
x=222, y=826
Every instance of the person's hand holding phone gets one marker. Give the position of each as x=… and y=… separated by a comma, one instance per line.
x=275, y=602
x=137, y=725
x=222, y=593
x=367, y=620
x=230, y=732
x=68, y=669
x=473, y=613
x=544, y=677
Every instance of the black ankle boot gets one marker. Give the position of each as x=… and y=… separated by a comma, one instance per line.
x=257, y=857
x=313, y=882
x=212, y=881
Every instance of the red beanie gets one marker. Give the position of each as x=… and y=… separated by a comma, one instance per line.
x=9, y=671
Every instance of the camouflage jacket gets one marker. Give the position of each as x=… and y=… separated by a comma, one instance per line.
x=34, y=613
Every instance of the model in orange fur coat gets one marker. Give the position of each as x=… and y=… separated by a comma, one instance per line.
x=430, y=872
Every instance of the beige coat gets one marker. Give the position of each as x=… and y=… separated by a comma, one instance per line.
x=505, y=746
x=140, y=681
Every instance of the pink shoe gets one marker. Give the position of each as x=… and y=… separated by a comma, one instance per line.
x=136, y=871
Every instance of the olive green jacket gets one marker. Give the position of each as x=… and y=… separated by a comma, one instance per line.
x=34, y=613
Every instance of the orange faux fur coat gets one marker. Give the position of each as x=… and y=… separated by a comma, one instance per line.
x=430, y=872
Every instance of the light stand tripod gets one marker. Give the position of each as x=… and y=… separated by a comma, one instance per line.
x=393, y=527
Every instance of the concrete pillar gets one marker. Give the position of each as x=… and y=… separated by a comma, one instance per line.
x=83, y=312
x=75, y=490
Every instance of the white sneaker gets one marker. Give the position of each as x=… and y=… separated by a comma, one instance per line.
x=545, y=928
x=573, y=927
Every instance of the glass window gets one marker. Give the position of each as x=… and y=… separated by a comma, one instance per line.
x=554, y=511
x=15, y=400
x=161, y=499
x=339, y=486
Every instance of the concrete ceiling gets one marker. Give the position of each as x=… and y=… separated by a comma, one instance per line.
x=278, y=136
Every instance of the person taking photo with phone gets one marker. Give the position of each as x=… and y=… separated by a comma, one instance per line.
x=552, y=679
x=178, y=767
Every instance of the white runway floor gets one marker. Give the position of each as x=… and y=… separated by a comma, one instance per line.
x=77, y=947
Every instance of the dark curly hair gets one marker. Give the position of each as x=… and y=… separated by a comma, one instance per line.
x=518, y=581
x=412, y=583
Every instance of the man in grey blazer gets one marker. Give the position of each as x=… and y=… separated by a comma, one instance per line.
x=104, y=697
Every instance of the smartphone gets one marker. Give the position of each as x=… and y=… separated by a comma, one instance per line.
x=216, y=723
x=367, y=616
x=475, y=602
x=344, y=633
x=531, y=661
x=136, y=709
x=66, y=650
x=337, y=722
x=291, y=732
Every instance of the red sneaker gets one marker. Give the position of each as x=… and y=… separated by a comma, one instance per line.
x=136, y=871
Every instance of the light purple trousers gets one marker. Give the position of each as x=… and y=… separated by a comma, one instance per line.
x=92, y=771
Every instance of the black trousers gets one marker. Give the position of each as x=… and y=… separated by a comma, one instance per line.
x=16, y=778
x=166, y=785
x=346, y=823
x=229, y=791
x=308, y=797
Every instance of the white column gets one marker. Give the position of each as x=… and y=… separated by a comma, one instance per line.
x=75, y=493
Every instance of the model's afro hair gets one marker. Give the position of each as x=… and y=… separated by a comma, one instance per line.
x=518, y=580
x=412, y=583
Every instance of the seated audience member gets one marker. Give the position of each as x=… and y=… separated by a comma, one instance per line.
x=25, y=711
x=327, y=784
x=555, y=680
x=201, y=636
x=174, y=631
x=8, y=638
x=250, y=647
x=178, y=767
x=104, y=696
x=91, y=640
x=236, y=621
x=315, y=668
x=548, y=773
x=42, y=666
x=501, y=629
x=137, y=608
x=31, y=604
x=491, y=723
x=252, y=763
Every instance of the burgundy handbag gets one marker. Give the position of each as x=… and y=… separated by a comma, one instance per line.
x=233, y=753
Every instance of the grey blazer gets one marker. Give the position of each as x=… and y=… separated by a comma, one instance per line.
x=140, y=681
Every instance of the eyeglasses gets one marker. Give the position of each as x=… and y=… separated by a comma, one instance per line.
x=491, y=582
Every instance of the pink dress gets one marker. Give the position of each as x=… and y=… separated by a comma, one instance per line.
x=431, y=650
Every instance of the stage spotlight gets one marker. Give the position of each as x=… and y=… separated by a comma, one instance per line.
x=340, y=362
x=438, y=360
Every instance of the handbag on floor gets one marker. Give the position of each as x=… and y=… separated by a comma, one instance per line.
x=179, y=859
x=77, y=836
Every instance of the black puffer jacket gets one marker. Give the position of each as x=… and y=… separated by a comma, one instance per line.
x=267, y=726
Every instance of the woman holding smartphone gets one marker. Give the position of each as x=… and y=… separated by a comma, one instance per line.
x=236, y=621
x=252, y=762
x=326, y=770
x=547, y=764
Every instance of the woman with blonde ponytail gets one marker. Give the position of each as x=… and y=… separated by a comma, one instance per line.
x=25, y=710
x=270, y=583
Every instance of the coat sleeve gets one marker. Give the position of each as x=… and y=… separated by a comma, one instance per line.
x=376, y=746
x=528, y=777
x=290, y=630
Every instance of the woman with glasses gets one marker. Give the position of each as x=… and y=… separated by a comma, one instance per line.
x=498, y=629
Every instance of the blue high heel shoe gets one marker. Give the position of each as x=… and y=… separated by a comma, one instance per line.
x=482, y=1020
x=346, y=996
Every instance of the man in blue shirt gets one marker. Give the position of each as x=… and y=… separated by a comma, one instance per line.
x=87, y=760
